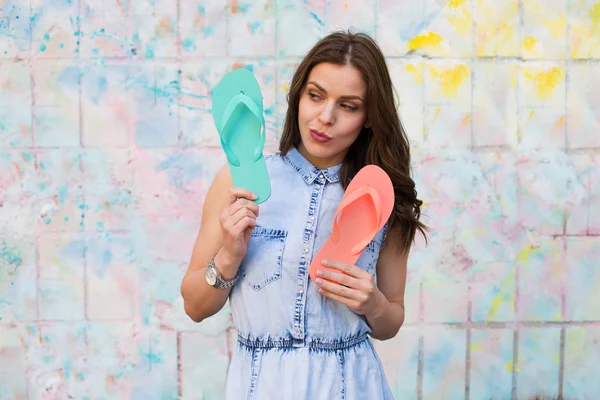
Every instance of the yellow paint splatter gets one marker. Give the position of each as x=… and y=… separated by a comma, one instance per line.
x=466, y=119
x=504, y=34
x=426, y=40
x=463, y=24
x=527, y=252
x=500, y=299
x=417, y=73
x=529, y=43
x=451, y=79
x=560, y=123
x=546, y=81
x=594, y=13
x=346, y=5
x=459, y=15
x=557, y=27
x=510, y=367
x=556, y=358
x=476, y=346
x=456, y=3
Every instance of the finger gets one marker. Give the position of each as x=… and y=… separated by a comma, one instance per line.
x=243, y=203
x=245, y=223
x=348, y=269
x=347, y=302
x=342, y=279
x=236, y=193
x=339, y=290
x=240, y=214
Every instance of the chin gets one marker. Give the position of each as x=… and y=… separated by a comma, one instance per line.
x=318, y=150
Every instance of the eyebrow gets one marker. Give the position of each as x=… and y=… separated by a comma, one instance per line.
x=347, y=97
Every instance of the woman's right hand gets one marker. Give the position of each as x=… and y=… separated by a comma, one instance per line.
x=238, y=219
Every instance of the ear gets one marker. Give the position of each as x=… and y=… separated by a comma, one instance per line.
x=367, y=124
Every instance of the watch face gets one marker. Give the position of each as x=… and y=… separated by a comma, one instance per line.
x=211, y=276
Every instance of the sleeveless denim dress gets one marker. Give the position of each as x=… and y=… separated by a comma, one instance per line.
x=294, y=343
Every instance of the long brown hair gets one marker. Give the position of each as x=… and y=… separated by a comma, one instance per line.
x=383, y=143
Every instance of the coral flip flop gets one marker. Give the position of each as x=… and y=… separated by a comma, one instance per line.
x=237, y=110
x=365, y=208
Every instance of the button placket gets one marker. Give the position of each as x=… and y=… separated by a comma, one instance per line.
x=319, y=184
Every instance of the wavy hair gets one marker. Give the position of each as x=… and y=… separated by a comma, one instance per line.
x=383, y=143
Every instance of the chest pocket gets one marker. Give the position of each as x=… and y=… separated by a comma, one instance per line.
x=264, y=257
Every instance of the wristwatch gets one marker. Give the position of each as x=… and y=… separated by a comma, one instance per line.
x=213, y=276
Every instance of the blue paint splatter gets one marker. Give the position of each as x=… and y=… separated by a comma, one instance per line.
x=209, y=31
x=188, y=45
x=107, y=257
x=9, y=256
x=181, y=169
x=316, y=18
x=149, y=53
x=153, y=358
x=69, y=77
x=63, y=192
x=254, y=26
x=67, y=366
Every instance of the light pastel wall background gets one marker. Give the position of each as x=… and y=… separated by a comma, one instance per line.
x=108, y=147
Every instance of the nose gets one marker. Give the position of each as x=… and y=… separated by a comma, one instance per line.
x=326, y=115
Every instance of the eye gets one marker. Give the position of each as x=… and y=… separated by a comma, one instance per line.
x=349, y=107
x=313, y=96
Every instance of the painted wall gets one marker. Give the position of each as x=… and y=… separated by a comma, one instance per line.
x=108, y=147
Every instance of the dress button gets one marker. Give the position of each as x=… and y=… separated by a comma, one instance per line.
x=312, y=218
x=301, y=291
x=306, y=250
x=322, y=176
x=297, y=331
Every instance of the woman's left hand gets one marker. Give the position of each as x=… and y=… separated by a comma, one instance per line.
x=355, y=287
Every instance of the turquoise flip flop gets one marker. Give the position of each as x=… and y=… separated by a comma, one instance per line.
x=237, y=110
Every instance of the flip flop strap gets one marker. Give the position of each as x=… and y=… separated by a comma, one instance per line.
x=237, y=100
x=350, y=198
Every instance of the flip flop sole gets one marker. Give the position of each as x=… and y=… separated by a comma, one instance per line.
x=242, y=131
x=358, y=220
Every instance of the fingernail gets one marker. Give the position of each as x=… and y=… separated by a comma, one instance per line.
x=254, y=196
x=319, y=281
x=320, y=272
x=325, y=262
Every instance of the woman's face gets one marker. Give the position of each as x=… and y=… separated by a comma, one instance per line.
x=331, y=113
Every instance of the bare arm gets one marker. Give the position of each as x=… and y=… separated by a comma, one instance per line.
x=220, y=220
x=387, y=319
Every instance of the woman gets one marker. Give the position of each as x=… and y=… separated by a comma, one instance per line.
x=298, y=339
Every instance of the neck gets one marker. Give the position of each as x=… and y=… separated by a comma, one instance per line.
x=321, y=162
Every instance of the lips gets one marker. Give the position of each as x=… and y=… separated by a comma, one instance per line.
x=319, y=136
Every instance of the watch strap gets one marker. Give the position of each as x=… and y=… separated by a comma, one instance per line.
x=220, y=282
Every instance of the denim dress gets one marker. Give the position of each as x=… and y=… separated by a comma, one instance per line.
x=293, y=342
